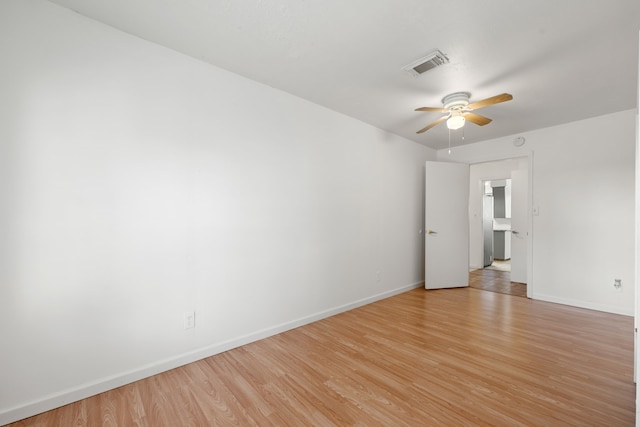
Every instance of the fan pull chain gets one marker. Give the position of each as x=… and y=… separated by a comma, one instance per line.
x=449, y=141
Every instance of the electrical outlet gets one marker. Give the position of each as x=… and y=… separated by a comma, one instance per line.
x=617, y=285
x=378, y=276
x=189, y=319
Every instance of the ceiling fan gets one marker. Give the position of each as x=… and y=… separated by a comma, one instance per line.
x=458, y=110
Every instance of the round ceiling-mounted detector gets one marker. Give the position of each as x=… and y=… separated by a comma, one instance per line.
x=519, y=141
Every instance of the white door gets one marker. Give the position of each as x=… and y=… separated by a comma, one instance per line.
x=446, y=225
x=519, y=225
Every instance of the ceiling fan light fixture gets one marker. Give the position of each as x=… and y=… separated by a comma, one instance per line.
x=456, y=121
x=459, y=110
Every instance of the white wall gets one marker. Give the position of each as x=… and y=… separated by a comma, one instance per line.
x=138, y=184
x=637, y=247
x=583, y=186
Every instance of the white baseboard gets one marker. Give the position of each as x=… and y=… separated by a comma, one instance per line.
x=83, y=391
x=583, y=304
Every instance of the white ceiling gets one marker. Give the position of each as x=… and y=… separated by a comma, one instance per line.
x=562, y=60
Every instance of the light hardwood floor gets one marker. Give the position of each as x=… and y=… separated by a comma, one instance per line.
x=496, y=281
x=457, y=357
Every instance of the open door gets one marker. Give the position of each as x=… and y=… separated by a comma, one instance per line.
x=446, y=225
x=519, y=225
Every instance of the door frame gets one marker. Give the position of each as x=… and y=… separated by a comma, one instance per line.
x=530, y=168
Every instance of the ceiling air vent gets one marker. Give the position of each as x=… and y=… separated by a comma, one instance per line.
x=429, y=62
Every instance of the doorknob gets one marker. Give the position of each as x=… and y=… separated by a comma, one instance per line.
x=432, y=232
x=515, y=232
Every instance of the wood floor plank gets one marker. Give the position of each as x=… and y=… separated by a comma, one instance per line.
x=496, y=281
x=464, y=357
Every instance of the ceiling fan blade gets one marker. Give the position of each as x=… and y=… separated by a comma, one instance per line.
x=434, y=109
x=440, y=120
x=477, y=119
x=490, y=101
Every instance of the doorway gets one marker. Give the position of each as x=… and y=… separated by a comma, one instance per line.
x=496, y=224
x=498, y=219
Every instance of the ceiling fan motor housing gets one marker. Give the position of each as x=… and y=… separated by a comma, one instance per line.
x=456, y=101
